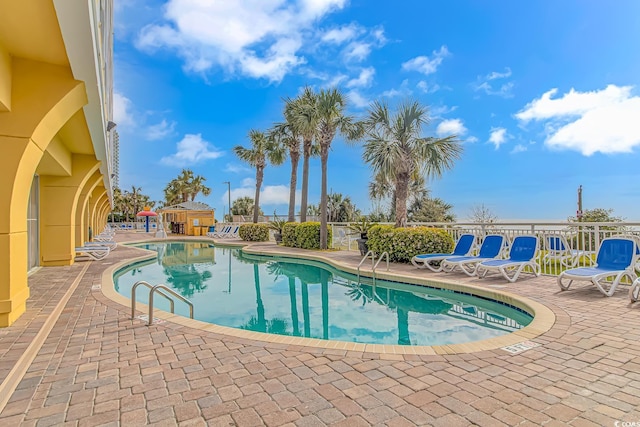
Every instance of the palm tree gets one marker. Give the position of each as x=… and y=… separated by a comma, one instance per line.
x=395, y=148
x=303, y=114
x=262, y=148
x=196, y=186
x=286, y=135
x=331, y=116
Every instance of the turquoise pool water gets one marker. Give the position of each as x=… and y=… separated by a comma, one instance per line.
x=306, y=299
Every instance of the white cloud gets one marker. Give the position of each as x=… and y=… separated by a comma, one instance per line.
x=426, y=88
x=486, y=84
x=190, y=150
x=236, y=168
x=269, y=194
x=451, y=126
x=441, y=110
x=260, y=39
x=357, y=51
x=603, y=121
x=498, y=137
x=342, y=34
x=122, y=110
x=161, y=130
x=364, y=79
x=402, y=91
x=519, y=149
x=336, y=80
x=471, y=139
x=357, y=99
x=426, y=65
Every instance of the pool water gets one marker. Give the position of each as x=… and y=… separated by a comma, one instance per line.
x=301, y=298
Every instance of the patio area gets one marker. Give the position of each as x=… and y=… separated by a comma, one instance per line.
x=85, y=363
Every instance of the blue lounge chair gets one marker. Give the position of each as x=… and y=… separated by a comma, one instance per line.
x=558, y=250
x=463, y=248
x=491, y=248
x=616, y=259
x=523, y=253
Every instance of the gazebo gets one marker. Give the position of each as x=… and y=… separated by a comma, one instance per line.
x=189, y=218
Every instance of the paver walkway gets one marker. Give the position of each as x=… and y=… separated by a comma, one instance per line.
x=97, y=367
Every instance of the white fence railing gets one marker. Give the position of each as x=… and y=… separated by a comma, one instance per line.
x=562, y=244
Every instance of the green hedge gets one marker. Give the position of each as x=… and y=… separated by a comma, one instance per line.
x=254, y=232
x=402, y=244
x=289, y=234
x=304, y=235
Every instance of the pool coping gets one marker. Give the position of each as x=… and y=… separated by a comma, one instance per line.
x=543, y=317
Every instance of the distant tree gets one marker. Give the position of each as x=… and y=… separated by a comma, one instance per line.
x=430, y=210
x=341, y=209
x=481, y=214
x=586, y=236
x=597, y=215
x=244, y=206
x=313, y=210
x=185, y=187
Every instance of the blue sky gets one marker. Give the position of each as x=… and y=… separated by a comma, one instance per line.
x=545, y=95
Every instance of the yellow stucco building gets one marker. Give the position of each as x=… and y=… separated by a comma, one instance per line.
x=56, y=130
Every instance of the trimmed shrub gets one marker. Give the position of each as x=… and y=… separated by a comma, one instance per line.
x=289, y=234
x=304, y=235
x=402, y=244
x=254, y=232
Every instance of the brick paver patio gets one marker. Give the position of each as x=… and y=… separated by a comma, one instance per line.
x=97, y=367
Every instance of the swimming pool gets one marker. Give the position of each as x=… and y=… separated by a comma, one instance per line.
x=310, y=299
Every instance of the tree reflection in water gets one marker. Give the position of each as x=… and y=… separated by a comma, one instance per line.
x=186, y=279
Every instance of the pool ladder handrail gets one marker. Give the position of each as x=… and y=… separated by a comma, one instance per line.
x=382, y=255
x=160, y=289
x=374, y=264
x=373, y=260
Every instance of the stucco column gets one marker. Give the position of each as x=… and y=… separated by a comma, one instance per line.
x=82, y=225
x=43, y=98
x=58, y=202
x=96, y=200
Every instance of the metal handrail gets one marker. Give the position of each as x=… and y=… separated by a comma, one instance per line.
x=373, y=270
x=173, y=293
x=160, y=289
x=148, y=285
x=373, y=260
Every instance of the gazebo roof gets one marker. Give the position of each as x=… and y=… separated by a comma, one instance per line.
x=189, y=206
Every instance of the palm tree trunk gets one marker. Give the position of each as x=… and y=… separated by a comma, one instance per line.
x=295, y=158
x=324, y=157
x=256, y=200
x=262, y=323
x=305, y=181
x=402, y=192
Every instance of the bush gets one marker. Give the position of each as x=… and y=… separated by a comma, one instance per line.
x=254, y=232
x=305, y=235
x=402, y=244
x=289, y=234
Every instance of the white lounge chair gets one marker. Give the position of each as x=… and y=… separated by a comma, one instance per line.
x=110, y=244
x=232, y=234
x=558, y=250
x=616, y=259
x=222, y=232
x=463, y=247
x=491, y=248
x=94, y=252
x=523, y=253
